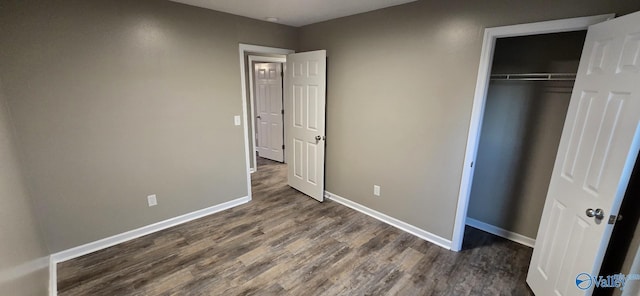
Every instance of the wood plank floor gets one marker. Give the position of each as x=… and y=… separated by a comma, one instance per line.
x=284, y=243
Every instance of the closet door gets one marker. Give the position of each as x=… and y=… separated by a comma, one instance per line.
x=599, y=145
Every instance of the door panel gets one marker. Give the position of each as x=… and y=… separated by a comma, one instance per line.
x=305, y=89
x=269, y=129
x=597, y=151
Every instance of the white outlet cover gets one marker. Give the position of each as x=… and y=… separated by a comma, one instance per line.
x=376, y=190
x=236, y=120
x=152, y=200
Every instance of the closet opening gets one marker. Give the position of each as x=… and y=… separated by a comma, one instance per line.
x=526, y=105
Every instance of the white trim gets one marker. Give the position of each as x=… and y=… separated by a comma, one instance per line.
x=144, y=230
x=53, y=277
x=510, y=235
x=404, y=226
x=78, y=251
x=91, y=247
x=258, y=58
x=484, y=71
x=242, y=49
x=255, y=58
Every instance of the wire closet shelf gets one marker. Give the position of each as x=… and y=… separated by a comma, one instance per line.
x=535, y=76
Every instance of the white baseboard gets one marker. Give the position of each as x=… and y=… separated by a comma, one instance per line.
x=423, y=234
x=512, y=236
x=132, y=234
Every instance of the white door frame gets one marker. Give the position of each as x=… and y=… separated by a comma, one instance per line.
x=246, y=49
x=257, y=58
x=479, y=100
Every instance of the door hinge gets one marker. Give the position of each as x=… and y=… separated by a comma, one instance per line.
x=282, y=111
x=281, y=73
x=472, y=164
x=283, y=147
x=613, y=218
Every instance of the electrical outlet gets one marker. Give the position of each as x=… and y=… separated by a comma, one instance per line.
x=152, y=200
x=236, y=120
x=376, y=190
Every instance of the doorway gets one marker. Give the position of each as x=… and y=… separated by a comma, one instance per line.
x=480, y=98
x=304, y=126
x=245, y=50
x=267, y=108
x=594, y=160
x=527, y=100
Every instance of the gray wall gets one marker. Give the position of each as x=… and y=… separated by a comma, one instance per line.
x=521, y=131
x=400, y=91
x=116, y=100
x=23, y=255
x=520, y=136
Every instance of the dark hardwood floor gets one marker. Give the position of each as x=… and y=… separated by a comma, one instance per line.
x=284, y=243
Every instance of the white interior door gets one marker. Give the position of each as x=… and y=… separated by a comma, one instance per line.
x=597, y=151
x=305, y=89
x=269, y=130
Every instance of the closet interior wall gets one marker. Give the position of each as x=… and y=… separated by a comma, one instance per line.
x=521, y=130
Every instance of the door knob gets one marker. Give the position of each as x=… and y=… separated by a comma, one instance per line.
x=597, y=213
x=318, y=138
x=259, y=117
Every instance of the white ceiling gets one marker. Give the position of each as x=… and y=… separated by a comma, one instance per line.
x=294, y=12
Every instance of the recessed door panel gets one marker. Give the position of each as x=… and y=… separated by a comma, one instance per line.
x=312, y=108
x=298, y=159
x=298, y=105
x=630, y=59
x=598, y=57
x=312, y=165
x=606, y=131
x=551, y=239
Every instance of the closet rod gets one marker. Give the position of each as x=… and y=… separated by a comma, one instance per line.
x=535, y=76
